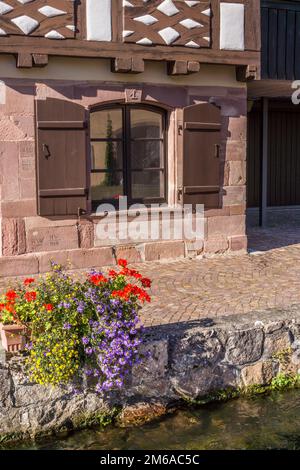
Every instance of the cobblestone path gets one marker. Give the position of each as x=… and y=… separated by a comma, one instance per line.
x=186, y=290
x=193, y=289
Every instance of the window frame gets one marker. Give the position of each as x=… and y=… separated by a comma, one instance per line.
x=126, y=141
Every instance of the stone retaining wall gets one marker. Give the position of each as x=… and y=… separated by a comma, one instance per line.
x=188, y=361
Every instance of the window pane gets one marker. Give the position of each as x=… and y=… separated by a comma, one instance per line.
x=145, y=124
x=106, y=155
x=148, y=184
x=107, y=124
x=147, y=154
x=106, y=186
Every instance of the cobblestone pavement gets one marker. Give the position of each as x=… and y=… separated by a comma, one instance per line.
x=268, y=277
x=195, y=289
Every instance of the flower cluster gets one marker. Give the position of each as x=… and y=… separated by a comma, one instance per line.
x=18, y=306
x=91, y=326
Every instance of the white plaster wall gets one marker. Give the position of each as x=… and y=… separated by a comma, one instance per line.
x=232, y=26
x=98, y=20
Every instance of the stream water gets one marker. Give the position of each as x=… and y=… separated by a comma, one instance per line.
x=265, y=422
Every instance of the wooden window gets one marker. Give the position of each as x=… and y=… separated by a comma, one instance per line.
x=127, y=154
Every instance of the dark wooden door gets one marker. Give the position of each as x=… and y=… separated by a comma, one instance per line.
x=201, y=156
x=283, y=155
x=62, y=162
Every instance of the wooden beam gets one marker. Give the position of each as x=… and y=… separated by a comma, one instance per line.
x=193, y=67
x=264, y=163
x=83, y=48
x=177, y=67
x=40, y=60
x=128, y=65
x=121, y=64
x=182, y=67
x=137, y=65
x=24, y=60
x=246, y=73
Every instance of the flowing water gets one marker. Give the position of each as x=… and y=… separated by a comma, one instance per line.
x=265, y=422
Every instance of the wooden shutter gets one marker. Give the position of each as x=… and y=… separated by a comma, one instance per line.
x=201, y=155
x=62, y=175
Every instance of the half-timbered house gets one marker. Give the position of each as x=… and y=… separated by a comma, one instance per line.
x=102, y=98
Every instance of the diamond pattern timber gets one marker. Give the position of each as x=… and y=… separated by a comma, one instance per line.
x=167, y=22
x=54, y=19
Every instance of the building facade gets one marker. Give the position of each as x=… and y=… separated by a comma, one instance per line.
x=274, y=117
x=103, y=98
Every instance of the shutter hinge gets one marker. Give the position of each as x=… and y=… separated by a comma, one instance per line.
x=180, y=129
x=179, y=193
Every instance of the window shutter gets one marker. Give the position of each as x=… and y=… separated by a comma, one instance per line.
x=62, y=172
x=201, y=155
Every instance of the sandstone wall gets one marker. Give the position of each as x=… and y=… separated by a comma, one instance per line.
x=187, y=360
x=29, y=241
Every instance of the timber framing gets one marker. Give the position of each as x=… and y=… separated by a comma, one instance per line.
x=129, y=57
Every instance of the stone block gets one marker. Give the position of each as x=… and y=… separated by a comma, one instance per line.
x=238, y=209
x=11, y=130
x=197, y=349
x=226, y=226
x=93, y=258
x=86, y=234
x=237, y=128
x=235, y=150
x=9, y=170
x=27, y=149
x=13, y=237
x=58, y=257
x=244, y=346
x=154, y=363
x=164, y=250
x=19, y=100
x=236, y=173
x=260, y=373
x=18, y=265
x=234, y=195
x=26, y=125
x=22, y=208
x=277, y=342
x=130, y=253
x=216, y=245
x=239, y=243
x=27, y=169
x=52, y=238
x=27, y=188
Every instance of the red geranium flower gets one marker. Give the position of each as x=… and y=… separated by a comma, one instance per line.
x=2, y=307
x=48, y=307
x=122, y=262
x=11, y=295
x=28, y=281
x=112, y=273
x=146, y=282
x=30, y=296
x=97, y=279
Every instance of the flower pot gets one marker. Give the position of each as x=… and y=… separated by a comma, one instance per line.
x=12, y=337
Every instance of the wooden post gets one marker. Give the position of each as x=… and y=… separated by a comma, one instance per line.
x=264, y=163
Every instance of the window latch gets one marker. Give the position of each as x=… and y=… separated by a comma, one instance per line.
x=46, y=151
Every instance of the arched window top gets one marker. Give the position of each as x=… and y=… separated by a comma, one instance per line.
x=127, y=153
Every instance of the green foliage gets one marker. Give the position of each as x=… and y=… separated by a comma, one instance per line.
x=279, y=383
x=285, y=381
